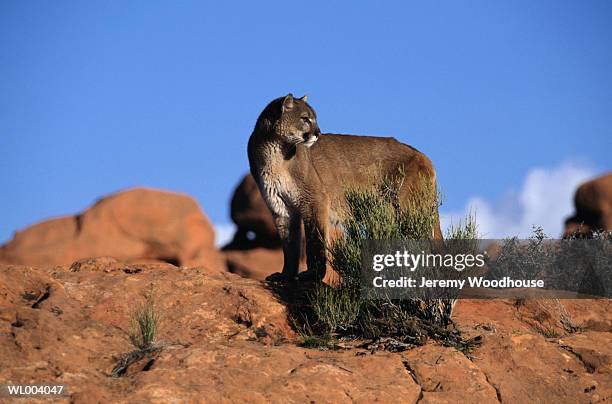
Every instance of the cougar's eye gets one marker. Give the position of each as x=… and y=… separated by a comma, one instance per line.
x=306, y=119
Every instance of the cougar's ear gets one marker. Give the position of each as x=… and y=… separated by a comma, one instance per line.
x=288, y=102
x=304, y=98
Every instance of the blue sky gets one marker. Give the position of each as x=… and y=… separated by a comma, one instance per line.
x=101, y=96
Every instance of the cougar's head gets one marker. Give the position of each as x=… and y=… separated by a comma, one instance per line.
x=291, y=121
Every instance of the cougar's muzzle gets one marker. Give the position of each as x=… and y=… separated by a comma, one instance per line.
x=311, y=137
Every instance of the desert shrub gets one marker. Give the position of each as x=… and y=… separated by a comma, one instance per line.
x=535, y=256
x=576, y=263
x=375, y=214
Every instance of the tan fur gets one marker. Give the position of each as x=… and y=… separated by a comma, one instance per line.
x=301, y=183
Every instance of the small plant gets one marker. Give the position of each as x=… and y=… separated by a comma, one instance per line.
x=145, y=322
x=144, y=327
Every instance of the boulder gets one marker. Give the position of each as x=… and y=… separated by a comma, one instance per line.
x=593, y=202
x=137, y=224
x=255, y=226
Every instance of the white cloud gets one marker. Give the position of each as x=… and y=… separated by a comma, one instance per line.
x=545, y=199
x=224, y=233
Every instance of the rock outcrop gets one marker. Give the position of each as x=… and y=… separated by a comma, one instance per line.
x=255, y=226
x=137, y=224
x=593, y=202
x=227, y=339
x=65, y=318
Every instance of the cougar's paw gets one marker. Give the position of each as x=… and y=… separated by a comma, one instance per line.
x=312, y=276
x=279, y=277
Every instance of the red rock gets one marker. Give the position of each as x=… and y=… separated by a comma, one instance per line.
x=448, y=376
x=526, y=367
x=138, y=224
x=592, y=349
x=228, y=339
x=525, y=353
x=593, y=202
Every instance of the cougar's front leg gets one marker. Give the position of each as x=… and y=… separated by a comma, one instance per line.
x=289, y=230
x=316, y=228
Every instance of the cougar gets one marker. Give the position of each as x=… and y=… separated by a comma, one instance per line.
x=303, y=174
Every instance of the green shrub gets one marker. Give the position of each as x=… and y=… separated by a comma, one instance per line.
x=375, y=214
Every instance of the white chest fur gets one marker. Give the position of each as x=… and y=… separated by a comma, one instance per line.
x=276, y=185
x=277, y=193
